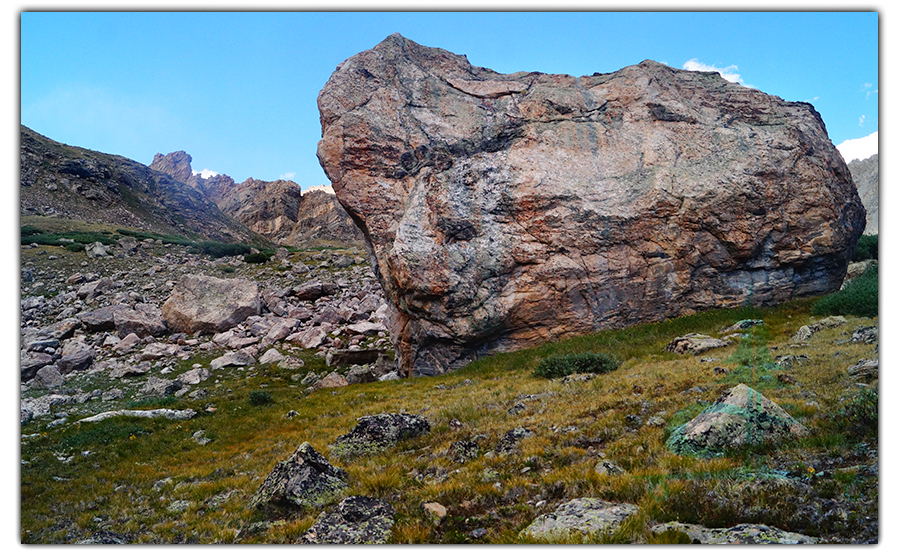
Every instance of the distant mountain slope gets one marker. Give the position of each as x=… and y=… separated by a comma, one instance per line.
x=321, y=220
x=865, y=175
x=71, y=182
x=274, y=209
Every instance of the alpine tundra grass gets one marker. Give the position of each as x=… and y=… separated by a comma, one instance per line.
x=151, y=480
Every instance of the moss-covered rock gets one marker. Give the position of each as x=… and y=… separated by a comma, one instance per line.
x=374, y=434
x=306, y=479
x=356, y=520
x=744, y=533
x=742, y=416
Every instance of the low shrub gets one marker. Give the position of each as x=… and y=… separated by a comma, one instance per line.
x=859, y=298
x=260, y=398
x=75, y=247
x=256, y=258
x=866, y=248
x=859, y=414
x=217, y=249
x=588, y=362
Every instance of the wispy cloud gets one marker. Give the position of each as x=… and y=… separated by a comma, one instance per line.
x=206, y=173
x=730, y=73
x=867, y=87
x=862, y=120
x=289, y=176
x=859, y=148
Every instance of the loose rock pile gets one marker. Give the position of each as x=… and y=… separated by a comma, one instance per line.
x=132, y=317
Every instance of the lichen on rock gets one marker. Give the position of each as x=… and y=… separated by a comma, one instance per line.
x=741, y=417
x=306, y=479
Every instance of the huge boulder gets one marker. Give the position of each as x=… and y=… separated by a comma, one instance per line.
x=204, y=303
x=505, y=210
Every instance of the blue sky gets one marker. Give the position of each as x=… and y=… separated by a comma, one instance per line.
x=238, y=91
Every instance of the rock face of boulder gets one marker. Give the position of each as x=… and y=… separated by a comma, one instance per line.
x=505, y=210
x=204, y=303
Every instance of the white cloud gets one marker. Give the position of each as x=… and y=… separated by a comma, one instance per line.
x=289, y=176
x=859, y=148
x=862, y=119
x=729, y=72
x=206, y=173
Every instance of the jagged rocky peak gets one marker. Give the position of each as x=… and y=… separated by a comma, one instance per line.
x=505, y=210
x=276, y=209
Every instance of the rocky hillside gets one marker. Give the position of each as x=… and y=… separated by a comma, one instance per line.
x=865, y=175
x=276, y=210
x=74, y=183
x=321, y=220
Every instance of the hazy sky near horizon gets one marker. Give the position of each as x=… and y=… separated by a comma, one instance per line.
x=237, y=90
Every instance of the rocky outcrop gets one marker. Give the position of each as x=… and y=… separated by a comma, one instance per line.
x=505, y=210
x=176, y=164
x=267, y=207
x=585, y=516
x=321, y=220
x=204, y=303
x=356, y=520
x=865, y=175
x=745, y=533
x=276, y=210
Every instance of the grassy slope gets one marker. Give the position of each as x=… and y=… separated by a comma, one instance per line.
x=112, y=479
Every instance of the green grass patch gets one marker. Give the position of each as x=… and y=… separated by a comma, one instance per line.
x=866, y=248
x=859, y=298
x=553, y=367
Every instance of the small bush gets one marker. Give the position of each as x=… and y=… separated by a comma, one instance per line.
x=859, y=415
x=260, y=398
x=859, y=298
x=256, y=258
x=75, y=247
x=31, y=230
x=867, y=248
x=227, y=269
x=217, y=249
x=589, y=362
